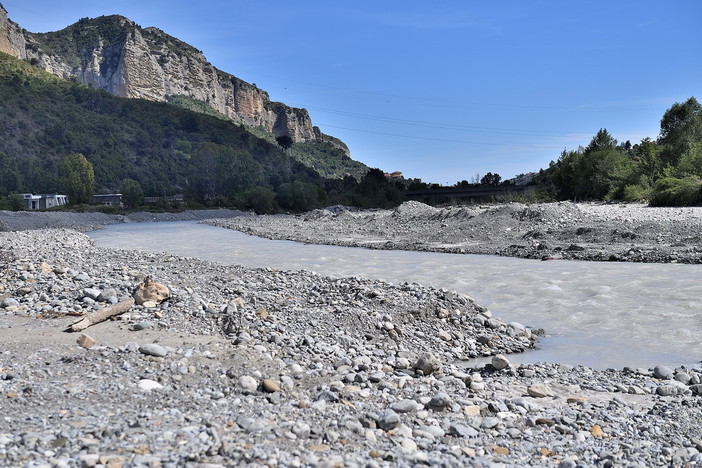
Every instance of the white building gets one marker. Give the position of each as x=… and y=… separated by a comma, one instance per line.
x=43, y=201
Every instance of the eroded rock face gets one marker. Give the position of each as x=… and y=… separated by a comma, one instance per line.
x=12, y=40
x=146, y=63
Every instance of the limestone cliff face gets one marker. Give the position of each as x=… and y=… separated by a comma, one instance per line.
x=12, y=40
x=115, y=54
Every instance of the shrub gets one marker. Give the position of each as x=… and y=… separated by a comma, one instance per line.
x=670, y=191
x=636, y=193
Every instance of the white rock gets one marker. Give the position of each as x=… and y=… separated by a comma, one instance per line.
x=148, y=384
x=247, y=384
x=500, y=362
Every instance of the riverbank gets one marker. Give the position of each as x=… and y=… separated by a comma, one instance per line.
x=582, y=231
x=91, y=221
x=263, y=367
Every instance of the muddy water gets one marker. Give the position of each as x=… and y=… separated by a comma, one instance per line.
x=596, y=314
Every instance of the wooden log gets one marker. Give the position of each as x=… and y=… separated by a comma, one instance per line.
x=102, y=315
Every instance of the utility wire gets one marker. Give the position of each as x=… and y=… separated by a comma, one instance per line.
x=415, y=137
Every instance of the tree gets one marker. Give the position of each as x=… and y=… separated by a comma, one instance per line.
x=649, y=164
x=260, y=199
x=15, y=202
x=78, y=178
x=681, y=128
x=491, y=179
x=284, y=141
x=601, y=141
x=132, y=194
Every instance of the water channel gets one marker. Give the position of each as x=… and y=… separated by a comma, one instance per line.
x=595, y=314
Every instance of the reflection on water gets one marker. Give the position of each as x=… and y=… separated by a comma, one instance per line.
x=596, y=314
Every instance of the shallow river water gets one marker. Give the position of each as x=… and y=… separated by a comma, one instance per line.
x=596, y=314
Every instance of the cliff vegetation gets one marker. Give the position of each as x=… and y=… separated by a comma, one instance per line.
x=164, y=148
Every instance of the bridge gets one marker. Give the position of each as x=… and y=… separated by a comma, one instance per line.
x=482, y=191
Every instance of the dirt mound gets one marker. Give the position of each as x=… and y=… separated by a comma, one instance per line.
x=413, y=209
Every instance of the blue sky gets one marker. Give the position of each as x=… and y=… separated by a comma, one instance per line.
x=442, y=90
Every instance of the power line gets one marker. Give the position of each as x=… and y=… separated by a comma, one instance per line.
x=415, y=137
x=457, y=127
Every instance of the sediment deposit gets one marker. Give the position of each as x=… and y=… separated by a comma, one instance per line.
x=258, y=367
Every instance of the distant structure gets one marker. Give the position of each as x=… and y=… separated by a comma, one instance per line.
x=43, y=201
x=178, y=199
x=108, y=199
x=394, y=175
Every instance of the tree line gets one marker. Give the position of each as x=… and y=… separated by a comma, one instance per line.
x=666, y=171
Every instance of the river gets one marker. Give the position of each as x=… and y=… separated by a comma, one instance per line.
x=595, y=314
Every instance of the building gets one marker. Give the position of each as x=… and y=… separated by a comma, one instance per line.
x=108, y=199
x=43, y=201
x=177, y=199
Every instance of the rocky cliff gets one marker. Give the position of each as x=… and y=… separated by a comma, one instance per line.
x=115, y=54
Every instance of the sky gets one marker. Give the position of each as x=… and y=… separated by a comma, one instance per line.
x=445, y=90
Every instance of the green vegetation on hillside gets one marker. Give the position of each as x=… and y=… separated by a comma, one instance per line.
x=665, y=172
x=167, y=150
x=76, y=42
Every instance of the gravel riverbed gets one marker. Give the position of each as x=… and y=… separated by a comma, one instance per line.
x=582, y=231
x=258, y=367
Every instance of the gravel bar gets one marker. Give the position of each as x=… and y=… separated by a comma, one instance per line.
x=549, y=231
x=258, y=367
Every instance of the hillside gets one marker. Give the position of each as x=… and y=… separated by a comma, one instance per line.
x=166, y=148
x=115, y=54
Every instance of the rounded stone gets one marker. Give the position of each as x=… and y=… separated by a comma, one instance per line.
x=389, y=420
x=270, y=386
x=9, y=302
x=427, y=364
x=499, y=362
x=247, y=384
x=148, y=384
x=142, y=325
x=153, y=349
x=663, y=372
x=440, y=401
x=539, y=391
x=404, y=406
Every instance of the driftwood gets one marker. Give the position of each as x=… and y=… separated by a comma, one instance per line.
x=103, y=314
x=148, y=291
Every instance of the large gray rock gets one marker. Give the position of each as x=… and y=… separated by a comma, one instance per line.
x=500, y=362
x=440, y=401
x=539, y=390
x=9, y=302
x=462, y=430
x=663, y=372
x=153, y=349
x=404, y=406
x=427, y=364
x=388, y=420
x=247, y=384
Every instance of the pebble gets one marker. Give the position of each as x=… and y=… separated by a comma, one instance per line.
x=153, y=349
x=143, y=325
x=427, y=364
x=270, y=386
x=247, y=384
x=148, y=384
x=499, y=362
x=663, y=372
x=86, y=341
x=439, y=401
x=388, y=420
x=539, y=390
x=404, y=406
